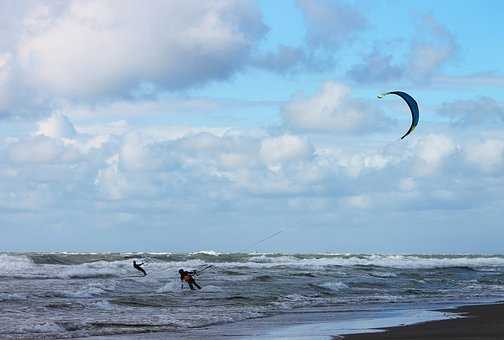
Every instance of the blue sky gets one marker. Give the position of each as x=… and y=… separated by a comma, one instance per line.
x=183, y=126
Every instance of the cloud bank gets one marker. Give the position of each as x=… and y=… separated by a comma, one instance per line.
x=128, y=176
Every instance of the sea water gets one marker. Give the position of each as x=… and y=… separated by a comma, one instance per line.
x=65, y=295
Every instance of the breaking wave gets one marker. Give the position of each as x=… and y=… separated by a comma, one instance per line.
x=13, y=261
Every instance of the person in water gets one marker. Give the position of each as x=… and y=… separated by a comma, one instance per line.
x=138, y=266
x=187, y=277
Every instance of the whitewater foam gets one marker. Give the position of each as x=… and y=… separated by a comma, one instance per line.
x=334, y=285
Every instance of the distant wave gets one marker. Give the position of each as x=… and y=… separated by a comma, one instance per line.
x=22, y=261
x=206, y=252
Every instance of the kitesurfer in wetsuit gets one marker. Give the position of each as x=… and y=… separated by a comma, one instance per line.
x=186, y=276
x=138, y=266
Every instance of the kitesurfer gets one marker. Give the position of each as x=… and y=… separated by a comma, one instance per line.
x=138, y=266
x=186, y=276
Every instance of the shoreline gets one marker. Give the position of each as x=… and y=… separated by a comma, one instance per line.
x=478, y=322
x=471, y=322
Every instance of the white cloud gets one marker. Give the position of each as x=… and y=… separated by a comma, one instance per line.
x=277, y=150
x=205, y=165
x=135, y=154
x=331, y=24
x=110, y=181
x=332, y=109
x=116, y=45
x=356, y=164
x=94, y=50
x=431, y=152
x=56, y=126
x=487, y=155
x=39, y=149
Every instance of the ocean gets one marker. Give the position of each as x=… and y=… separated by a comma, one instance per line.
x=69, y=295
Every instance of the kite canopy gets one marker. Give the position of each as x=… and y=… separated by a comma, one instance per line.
x=415, y=115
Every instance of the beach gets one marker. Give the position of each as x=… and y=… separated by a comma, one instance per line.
x=475, y=322
x=480, y=322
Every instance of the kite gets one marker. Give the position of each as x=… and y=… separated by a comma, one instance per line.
x=413, y=106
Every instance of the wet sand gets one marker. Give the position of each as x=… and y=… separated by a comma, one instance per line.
x=483, y=322
x=318, y=324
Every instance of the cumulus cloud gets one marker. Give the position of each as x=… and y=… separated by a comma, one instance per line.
x=95, y=50
x=331, y=24
x=431, y=152
x=56, y=126
x=111, y=183
x=488, y=155
x=274, y=151
x=36, y=150
x=116, y=45
x=473, y=112
x=332, y=109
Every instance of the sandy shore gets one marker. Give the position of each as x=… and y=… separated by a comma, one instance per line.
x=464, y=323
x=483, y=322
x=313, y=324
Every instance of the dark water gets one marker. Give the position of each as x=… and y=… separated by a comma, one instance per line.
x=58, y=295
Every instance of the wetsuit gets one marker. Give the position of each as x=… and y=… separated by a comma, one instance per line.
x=187, y=277
x=138, y=267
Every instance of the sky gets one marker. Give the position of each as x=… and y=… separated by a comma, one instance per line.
x=177, y=126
